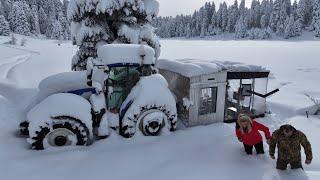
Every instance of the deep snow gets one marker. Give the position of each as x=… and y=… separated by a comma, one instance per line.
x=206, y=152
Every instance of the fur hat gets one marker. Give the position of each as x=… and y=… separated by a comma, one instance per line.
x=287, y=127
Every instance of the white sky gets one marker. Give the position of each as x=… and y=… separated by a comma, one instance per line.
x=174, y=7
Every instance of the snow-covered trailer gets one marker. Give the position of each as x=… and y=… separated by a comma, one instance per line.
x=213, y=91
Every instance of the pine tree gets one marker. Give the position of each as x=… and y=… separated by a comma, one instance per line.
x=242, y=8
x=51, y=18
x=203, y=31
x=294, y=9
x=34, y=21
x=263, y=22
x=188, y=30
x=4, y=26
x=127, y=22
x=316, y=18
x=256, y=13
x=233, y=14
x=224, y=17
x=265, y=33
x=57, y=31
x=43, y=20
x=219, y=17
x=275, y=15
x=241, y=28
x=18, y=18
x=304, y=12
x=6, y=7
x=289, y=29
x=1, y=8
x=281, y=24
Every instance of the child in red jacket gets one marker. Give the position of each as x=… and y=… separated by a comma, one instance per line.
x=248, y=133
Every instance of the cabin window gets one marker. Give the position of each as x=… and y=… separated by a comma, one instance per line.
x=208, y=100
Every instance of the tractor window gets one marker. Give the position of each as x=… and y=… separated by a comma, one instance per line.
x=122, y=80
x=208, y=100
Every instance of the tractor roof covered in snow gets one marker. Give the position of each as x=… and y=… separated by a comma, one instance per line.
x=195, y=67
x=126, y=54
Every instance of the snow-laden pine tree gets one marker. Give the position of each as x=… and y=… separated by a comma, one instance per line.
x=219, y=18
x=265, y=33
x=51, y=18
x=242, y=8
x=255, y=14
x=96, y=22
x=304, y=12
x=264, y=22
x=281, y=24
x=65, y=27
x=18, y=18
x=203, y=30
x=289, y=28
x=1, y=8
x=4, y=26
x=34, y=20
x=6, y=6
x=43, y=20
x=233, y=14
x=57, y=31
x=241, y=28
x=224, y=16
x=188, y=30
x=275, y=15
x=316, y=18
x=294, y=9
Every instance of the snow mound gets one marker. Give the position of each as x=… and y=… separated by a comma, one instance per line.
x=196, y=67
x=126, y=53
x=66, y=81
x=56, y=105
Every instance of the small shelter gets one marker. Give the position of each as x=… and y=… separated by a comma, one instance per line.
x=214, y=91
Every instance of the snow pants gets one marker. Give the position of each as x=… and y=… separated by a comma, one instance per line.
x=258, y=147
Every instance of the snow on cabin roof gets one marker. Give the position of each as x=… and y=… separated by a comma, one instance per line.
x=197, y=67
x=126, y=53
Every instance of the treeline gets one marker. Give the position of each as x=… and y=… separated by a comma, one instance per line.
x=35, y=17
x=261, y=21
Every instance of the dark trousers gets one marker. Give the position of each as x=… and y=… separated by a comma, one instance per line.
x=258, y=147
x=282, y=164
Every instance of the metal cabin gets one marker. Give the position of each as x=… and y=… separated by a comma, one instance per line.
x=212, y=91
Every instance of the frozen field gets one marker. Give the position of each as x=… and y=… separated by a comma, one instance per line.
x=210, y=152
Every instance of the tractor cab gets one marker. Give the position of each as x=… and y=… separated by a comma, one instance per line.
x=118, y=68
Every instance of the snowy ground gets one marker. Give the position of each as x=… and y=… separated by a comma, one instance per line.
x=210, y=152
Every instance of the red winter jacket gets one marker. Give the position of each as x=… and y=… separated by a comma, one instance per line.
x=253, y=137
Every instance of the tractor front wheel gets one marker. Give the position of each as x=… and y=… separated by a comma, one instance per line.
x=62, y=132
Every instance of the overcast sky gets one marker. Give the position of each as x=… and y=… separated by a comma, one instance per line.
x=174, y=7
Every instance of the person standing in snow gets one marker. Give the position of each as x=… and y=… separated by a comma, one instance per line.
x=289, y=142
x=248, y=133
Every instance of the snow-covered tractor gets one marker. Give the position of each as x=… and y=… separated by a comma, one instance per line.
x=120, y=90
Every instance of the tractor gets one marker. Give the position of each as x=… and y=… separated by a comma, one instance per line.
x=121, y=91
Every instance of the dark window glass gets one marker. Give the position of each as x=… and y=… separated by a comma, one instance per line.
x=208, y=100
